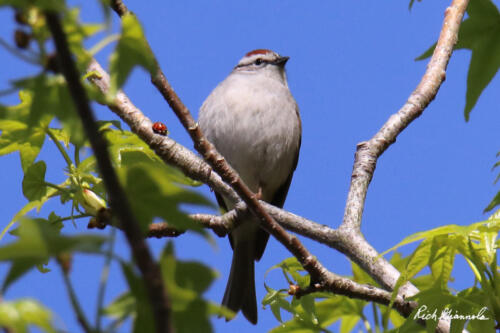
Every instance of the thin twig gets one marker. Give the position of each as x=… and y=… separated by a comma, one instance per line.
x=59, y=146
x=150, y=270
x=16, y=52
x=104, y=280
x=65, y=263
x=221, y=225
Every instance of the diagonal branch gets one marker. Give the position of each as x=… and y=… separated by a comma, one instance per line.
x=151, y=272
x=368, y=152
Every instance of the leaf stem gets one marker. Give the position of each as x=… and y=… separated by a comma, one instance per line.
x=62, y=219
x=57, y=187
x=63, y=151
x=104, y=42
x=104, y=279
x=74, y=302
x=77, y=155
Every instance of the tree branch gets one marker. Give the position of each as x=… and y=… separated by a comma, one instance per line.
x=368, y=152
x=150, y=270
x=221, y=225
x=354, y=290
x=348, y=238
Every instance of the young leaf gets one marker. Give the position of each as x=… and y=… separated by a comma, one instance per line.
x=34, y=187
x=132, y=50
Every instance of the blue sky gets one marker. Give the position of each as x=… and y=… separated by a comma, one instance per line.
x=351, y=66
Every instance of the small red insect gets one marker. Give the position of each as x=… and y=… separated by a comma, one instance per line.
x=160, y=128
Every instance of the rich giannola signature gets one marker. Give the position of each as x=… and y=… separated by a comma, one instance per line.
x=425, y=313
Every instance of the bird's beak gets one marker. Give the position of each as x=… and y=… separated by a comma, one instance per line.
x=281, y=61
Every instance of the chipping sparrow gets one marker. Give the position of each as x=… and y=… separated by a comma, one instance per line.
x=253, y=121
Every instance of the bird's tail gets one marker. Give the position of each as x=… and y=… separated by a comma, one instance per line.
x=240, y=289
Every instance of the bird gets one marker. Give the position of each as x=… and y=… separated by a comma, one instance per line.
x=253, y=121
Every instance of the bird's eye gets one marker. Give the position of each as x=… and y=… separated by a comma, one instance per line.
x=259, y=61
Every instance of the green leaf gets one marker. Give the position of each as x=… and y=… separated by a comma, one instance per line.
x=77, y=32
x=493, y=204
x=484, y=65
x=194, y=276
x=361, y=276
x=292, y=267
x=328, y=311
x=144, y=320
x=19, y=315
x=18, y=134
x=195, y=318
x=61, y=135
x=122, y=307
x=480, y=33
x=445, y=230
x=132, y=50
x=51, y=98
x=38, y=241
x=187, y=281
x=17, y=270
x=127, y=149
x=348, y=322
x=26, y=209
x=442, y=258
x=34, y=187
x=427, y=53
x=153, y=195
x=307, y=303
